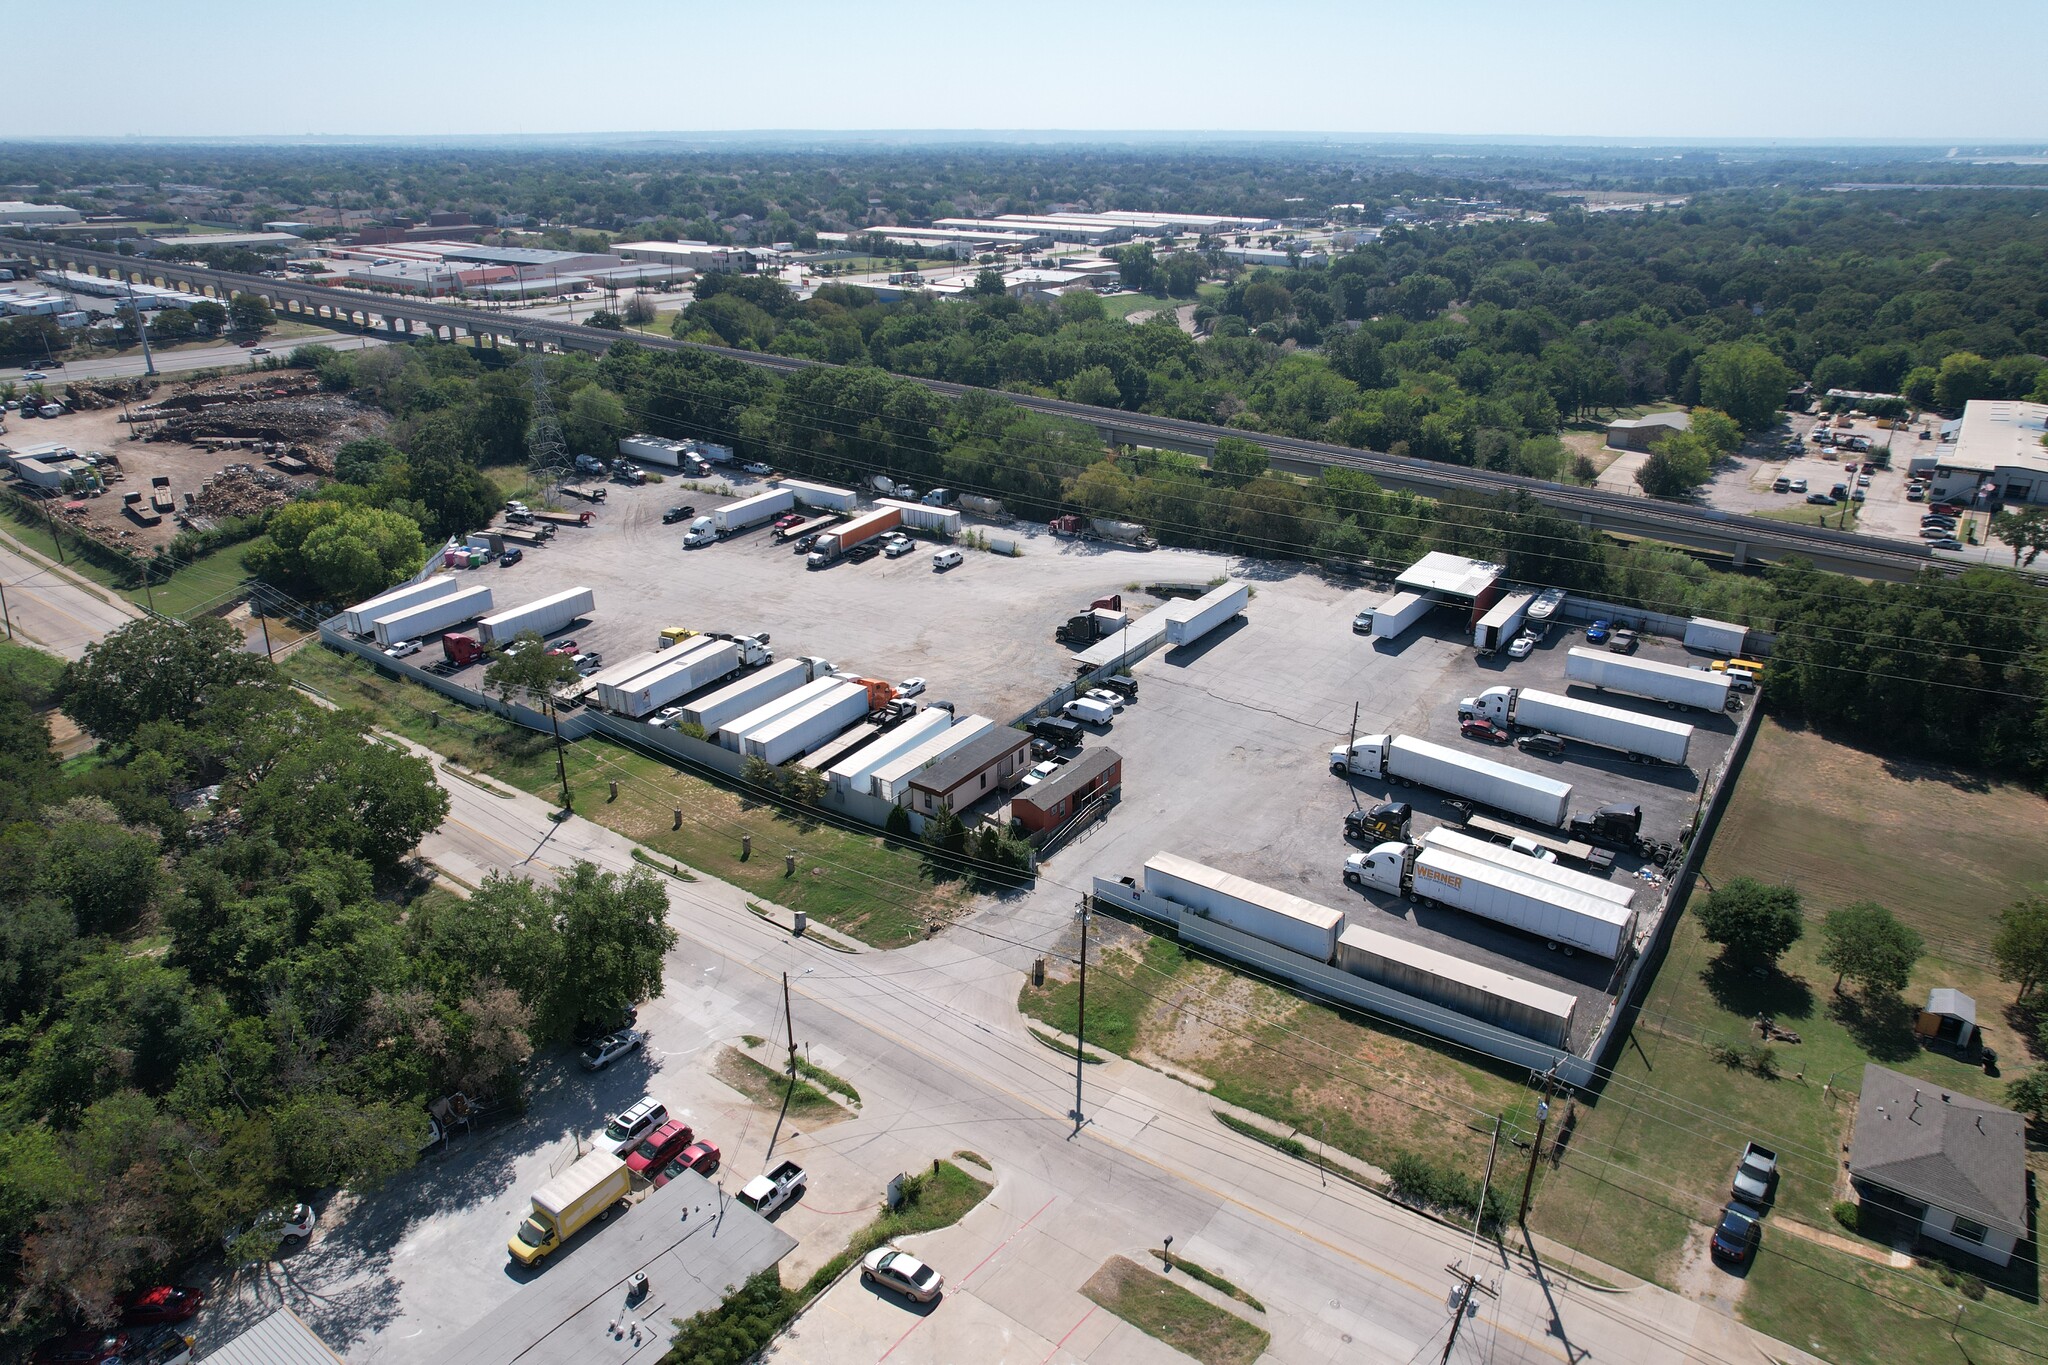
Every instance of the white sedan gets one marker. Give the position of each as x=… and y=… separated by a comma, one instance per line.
x=910, y=687
x=1522, y=646
x=902, y=1272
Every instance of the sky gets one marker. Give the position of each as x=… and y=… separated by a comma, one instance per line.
x=1627, y=70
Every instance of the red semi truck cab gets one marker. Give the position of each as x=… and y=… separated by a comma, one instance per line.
x=462, y=651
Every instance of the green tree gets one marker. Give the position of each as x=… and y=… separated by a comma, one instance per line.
x=528, y=672
x=2024, y=529
x=209, y=316
x=595, y=421
x=250, y=313
x=805, y=786
x=606, y=320
x=989, y=283
x=1136, y=267
x=1239, y=461
x=1753, y=921
x=2028, y=1094
x=1746, y=381
x=158, y=670
x=360, y=461
x=332, y=787
x=1963, y=375
x=2020, y=947
x=107, y=876
x=1865, y=943
x=1678, y=464
x=1719, y=432
x=1095, y=386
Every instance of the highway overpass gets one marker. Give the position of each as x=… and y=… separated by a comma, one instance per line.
x=1739, y=540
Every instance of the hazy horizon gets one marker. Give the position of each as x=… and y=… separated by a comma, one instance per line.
x=1599, y=72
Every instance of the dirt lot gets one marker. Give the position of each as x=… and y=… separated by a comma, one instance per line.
x=318, y=424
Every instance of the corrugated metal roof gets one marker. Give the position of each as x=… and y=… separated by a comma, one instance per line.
x=280, y=1339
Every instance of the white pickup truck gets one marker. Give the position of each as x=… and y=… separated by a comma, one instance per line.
x=1755, y=1176
x=764, y=1194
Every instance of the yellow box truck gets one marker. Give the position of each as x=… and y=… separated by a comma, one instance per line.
x=561, y=1208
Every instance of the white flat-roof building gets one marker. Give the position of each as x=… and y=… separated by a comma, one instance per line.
x=1997, y=456
x=426, y=277
x=1450, y=575
x=1273, y=255
x=21, y=213
x=1048, y=229
x=252, y=240
x=704, y=256
x=532, y=262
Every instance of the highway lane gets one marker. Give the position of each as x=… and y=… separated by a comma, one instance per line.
x=174, y=362
x=48, y=607
x=1705, y=527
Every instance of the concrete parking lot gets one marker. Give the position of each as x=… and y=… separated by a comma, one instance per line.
x=1226, y=761
x=981, y=634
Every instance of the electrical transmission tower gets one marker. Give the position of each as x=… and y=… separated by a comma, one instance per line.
x=547, y=452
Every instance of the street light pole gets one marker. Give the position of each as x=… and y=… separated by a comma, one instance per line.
x=1081, y=1018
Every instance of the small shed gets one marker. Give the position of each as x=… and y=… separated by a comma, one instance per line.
x=1950, y=1016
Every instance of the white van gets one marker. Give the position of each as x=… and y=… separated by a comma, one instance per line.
x=1088, y=711
x=945, y=559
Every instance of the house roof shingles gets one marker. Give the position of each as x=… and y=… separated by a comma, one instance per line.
x=1071, y=778
x=1941, y=1148
x=969, y=759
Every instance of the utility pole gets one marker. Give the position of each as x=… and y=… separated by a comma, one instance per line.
x=1081, y=1018
x=1460, y=1298
x=1479, y=1217
x=1535, y=1148
x=788, y=1023
x=141, y=327
x=3, y=611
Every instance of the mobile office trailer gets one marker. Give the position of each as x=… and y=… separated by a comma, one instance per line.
x=1400, y=759
x=738, y=516
x=822, y=495
x=1438, y=876
x=362, y=617
x=684, y=670
x=1529, y=866
x=1277, y=917
x=1502, y=622
x=1668, y=683
x=748, y=694
x=426, y=619
x=855, y=772
x=807, y=727
x=921, y=517
x=1187, y=622
x=891, y=781
x=1497, y=997
x=733, y=731
x=544, y=617
x=1640, y=737
x=1716, y=637
x=565, y=1205
x=1392, y=618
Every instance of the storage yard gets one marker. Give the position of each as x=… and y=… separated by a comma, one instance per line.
x=1265, y=719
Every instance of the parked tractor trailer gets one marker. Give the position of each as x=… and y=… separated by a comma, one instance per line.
x=1668, y=683
x=685, y=669
x=544, y=617
x=735, y=517
x=361, y=618
x=1436, y=875
x=799, y=731
x=1401, y=759
x=1642, y=738
x=433, y=617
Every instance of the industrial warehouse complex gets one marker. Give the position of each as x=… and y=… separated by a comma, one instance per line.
x=1490, y=810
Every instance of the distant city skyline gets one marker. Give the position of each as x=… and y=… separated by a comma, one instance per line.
x=1607, y=70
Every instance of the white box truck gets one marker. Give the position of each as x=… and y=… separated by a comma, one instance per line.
x=1669, y=683
x=1502, y=622
x=361, y=618
x=1187, y=622
x=1401, y=759
x=1392, y=618
x=805, y=728
x=1437, y=876
x=429, y=619
x=1716, y=637
x=738, y=516
x=749, y=693
x=733, y=731
x=545, y=617
x=1642, y=738
x=1277, y=917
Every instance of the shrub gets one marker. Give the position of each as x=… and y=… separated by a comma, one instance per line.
x=1417, y=1180
x=1849, y=1214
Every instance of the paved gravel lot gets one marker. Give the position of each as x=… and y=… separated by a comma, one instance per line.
x=1226, y=761
x=981, y=634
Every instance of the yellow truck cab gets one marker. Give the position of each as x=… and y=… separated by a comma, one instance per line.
x=675, y=635
x=565, y=1205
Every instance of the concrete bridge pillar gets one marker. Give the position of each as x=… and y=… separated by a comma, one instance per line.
x=1740, y=559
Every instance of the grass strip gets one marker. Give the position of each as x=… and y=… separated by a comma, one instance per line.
x=766, y=1086
x=1291, y=1146
x=1208, y=1277
x=827, y=1080
x=976, y=1157
x=1185, y=1321
x=1067, y=1049
x=932, y=1199
x=680, y=873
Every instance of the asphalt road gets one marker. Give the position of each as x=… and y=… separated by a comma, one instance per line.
x=51, y=608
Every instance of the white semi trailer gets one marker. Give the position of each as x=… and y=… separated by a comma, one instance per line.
x=1438, y=876
x=804, y=729
x=1668, y=683
x=1640, y=737
x=1528, y=864
x=1276, y=916
x=1187, y=622
x=738, y=516
x=749, y=693
x=544, y=617
x=1401, y=759
x=361, y=618
x=428, y=619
